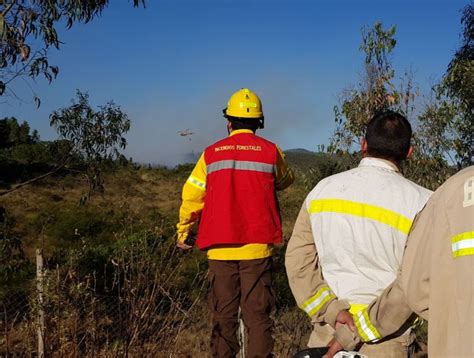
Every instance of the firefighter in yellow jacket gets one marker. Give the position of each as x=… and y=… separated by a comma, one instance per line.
x=436, y=280
x=232, y=191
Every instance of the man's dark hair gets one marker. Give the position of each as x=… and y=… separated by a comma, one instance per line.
x=388, y=136
x=244, y=123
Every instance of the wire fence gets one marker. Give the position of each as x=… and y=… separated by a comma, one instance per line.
x=111, y=326
x=95, y=325
x=15, y=312
x=137, y=307
x=145, y=300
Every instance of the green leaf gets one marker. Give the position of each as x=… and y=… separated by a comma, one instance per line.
x=54, y=70
x=37, y=101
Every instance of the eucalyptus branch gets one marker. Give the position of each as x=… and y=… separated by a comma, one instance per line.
x=8, y=8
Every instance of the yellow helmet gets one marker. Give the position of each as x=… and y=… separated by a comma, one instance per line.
x=244, y=104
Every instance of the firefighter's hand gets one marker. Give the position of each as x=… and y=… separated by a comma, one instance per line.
x=182, y=241
x=334, y=347
x=183, y=246
x=344, y=317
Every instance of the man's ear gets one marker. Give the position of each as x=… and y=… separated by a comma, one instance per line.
x=229, y=127
x=410, y=151
x=364, y=147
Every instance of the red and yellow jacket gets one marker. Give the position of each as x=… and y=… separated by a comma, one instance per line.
x=232, y=191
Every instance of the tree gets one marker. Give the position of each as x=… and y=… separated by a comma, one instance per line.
x=446, y=124
x=94, y=136
x=458, y=86
x=433, y=138
x=459, y=78
x=13, y=134
x=376, y=90
x=27, y=22
x=87, y=139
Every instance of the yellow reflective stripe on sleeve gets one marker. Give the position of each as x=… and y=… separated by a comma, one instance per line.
x=200, y=184
x=377, y=213
x=463, y=244
x=357, y=307
x=316, y=302
x=365, y=328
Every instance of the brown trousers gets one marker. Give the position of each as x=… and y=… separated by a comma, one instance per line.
x=246, y=284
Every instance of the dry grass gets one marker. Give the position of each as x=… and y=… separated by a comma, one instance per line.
x=149, y=198
x=138, y=193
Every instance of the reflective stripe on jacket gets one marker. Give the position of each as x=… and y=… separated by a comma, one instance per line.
x=229, y=169
x=360, y=220
x=241, y=205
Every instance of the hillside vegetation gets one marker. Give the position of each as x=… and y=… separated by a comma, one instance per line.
x=111, y=264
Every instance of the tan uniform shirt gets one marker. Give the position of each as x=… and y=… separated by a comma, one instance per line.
x=437, y=275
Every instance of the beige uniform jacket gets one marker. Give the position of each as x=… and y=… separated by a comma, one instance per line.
x=351, y=230
x=437, y=275
x=304, y=272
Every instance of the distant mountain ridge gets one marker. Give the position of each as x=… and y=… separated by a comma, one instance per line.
x=298, y=158
x=299, y=150
x=303, y=159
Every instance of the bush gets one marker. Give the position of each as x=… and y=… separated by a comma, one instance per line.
x=139, y=308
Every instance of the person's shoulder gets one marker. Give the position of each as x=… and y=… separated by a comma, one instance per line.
x=460, y=177
x=333, y=181
x=424, y=192
x=264, y=140
x=457, y=182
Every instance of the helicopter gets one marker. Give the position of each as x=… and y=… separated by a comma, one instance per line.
x=185, y=133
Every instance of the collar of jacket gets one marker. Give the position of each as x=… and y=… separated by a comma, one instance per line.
x=240, y=131
x=378, y=162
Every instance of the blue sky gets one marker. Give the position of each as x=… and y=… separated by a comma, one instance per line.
x=173, y=65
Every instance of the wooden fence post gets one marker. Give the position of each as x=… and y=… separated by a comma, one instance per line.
x=39, y=288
